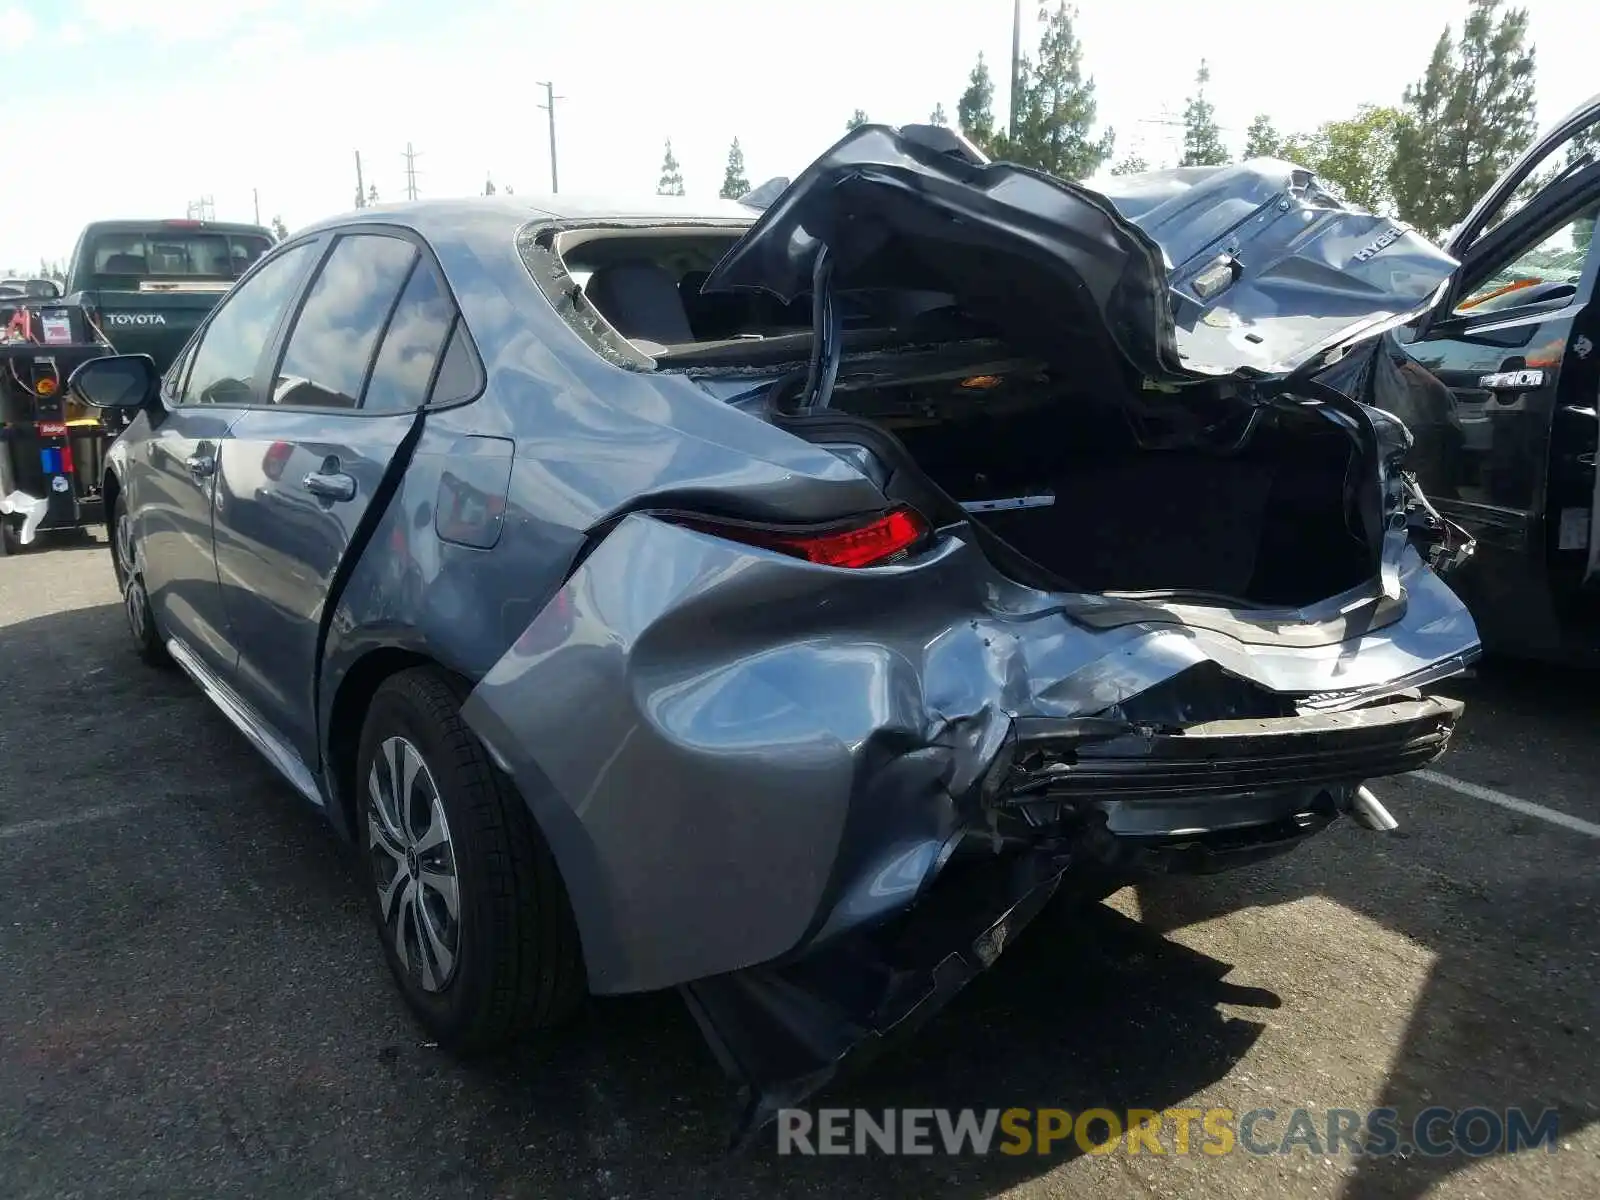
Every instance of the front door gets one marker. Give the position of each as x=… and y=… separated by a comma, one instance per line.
x=174, y=479
x=1510, y=455
x=305, y=475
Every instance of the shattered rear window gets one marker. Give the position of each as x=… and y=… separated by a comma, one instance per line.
x=633, y=293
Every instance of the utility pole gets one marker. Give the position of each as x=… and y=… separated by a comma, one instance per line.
x=549, y=106
x=361, y=187
x=255, y=194
x=1016, y=67
x=411, y=172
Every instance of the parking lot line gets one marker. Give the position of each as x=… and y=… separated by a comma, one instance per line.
x=46, y=824
x=1526, y=807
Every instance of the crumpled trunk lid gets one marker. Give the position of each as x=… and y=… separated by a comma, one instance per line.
x=1245, y=271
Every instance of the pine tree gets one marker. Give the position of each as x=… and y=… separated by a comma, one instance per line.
x=937, y=117
x=671, y=181
x=1057, y=107
x=1261, y=140
x=1466, y=120
x=1133, y=164
x=856, y=121
x=734, y=182
x=975, y=109
x=372, y=194
x=488, y=187
x=279, y=229
x=1202, y=140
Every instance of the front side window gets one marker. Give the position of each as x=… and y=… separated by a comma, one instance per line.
x=331, y=346
x=224, y=363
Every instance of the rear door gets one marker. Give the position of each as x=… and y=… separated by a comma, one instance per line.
x=171, y=478
x=306, y=474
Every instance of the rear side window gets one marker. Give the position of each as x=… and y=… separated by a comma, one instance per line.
x=331, y=345
x=224, y=363
x=411, y=345
x=460, y=375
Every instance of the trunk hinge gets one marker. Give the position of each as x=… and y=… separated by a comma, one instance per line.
x=826, y=348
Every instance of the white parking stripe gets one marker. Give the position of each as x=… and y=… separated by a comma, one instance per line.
x=46, y=824
x=1526, y=807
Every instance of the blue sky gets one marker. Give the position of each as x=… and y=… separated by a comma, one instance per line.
x=160, y=102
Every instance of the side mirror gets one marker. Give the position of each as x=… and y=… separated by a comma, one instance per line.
x=43, y=289
x=118, y=381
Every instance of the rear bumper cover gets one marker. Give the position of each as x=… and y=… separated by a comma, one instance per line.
x=755, y=783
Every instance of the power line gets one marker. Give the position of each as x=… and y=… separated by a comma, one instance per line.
x=549, y=106
x=411, y=172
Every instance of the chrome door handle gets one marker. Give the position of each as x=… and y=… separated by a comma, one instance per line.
x=1512, y=381
x=336, y=486
x=201, y=465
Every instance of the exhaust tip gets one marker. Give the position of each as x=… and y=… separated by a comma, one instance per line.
x=1370, y=813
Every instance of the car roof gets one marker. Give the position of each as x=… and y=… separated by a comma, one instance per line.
x=435, y=217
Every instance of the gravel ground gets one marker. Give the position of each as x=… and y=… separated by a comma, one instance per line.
x=192, y=1003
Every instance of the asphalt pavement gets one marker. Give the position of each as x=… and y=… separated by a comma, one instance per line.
x=192, y=1002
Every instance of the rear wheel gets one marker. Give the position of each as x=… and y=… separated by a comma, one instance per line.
x=466, y=897
x=130, y=582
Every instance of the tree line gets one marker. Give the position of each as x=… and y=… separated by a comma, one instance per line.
x=1424, y=158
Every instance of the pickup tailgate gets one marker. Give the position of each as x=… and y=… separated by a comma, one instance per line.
x=157, y=319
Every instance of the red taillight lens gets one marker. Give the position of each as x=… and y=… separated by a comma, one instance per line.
x=276, y=458
x=867, y=544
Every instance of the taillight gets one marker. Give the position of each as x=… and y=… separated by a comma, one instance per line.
x=874, y=542
x=276, y=458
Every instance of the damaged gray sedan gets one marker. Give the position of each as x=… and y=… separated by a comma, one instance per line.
x=786, y=604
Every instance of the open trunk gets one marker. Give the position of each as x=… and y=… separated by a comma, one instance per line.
x=1245, y=506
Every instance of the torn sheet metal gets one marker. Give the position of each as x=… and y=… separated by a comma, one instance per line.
x=1245, y=270
x=738, y=763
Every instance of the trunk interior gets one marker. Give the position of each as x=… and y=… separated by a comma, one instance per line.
x=1267, y=523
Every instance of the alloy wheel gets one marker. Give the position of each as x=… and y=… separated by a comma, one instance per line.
x=413, y=864
x=133, y=598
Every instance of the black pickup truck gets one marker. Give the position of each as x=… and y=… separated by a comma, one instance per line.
x=132, y=287
x=147, y=285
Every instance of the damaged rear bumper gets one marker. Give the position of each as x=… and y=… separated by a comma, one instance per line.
x=820, y=800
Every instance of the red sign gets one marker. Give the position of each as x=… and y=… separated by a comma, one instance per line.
x=51, y=428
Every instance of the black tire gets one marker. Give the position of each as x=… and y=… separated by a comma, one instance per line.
x=517, y=965
x=9, y=542
x=136, y=609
